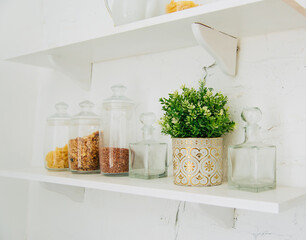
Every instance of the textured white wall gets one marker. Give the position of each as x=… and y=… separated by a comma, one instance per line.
x=271, y=75
x=20, y=30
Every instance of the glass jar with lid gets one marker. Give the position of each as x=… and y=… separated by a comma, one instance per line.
x=56, y=139
x=83, y=147
x=118, y=131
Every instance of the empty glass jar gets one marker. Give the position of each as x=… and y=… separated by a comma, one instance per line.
x=148, y=158
x=117, y=131
x=252, y=164
x=83, y=145
x=56, y=139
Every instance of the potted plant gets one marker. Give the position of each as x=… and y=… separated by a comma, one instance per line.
x=196, y=120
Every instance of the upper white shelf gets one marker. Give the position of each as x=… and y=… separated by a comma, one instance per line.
x=274, y=201
x=238, y=18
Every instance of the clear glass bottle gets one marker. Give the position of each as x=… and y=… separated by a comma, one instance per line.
x=83, y=148
x=252, y=164
x=117, y=132
x=148, y=158
x=56, y=139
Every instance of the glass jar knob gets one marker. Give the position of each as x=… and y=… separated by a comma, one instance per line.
x=86, y=106
x=118, y=90
x=61, y=107
x=251, y=115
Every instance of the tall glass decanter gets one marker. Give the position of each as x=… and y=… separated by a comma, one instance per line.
x=252, y=164
x=148, y=158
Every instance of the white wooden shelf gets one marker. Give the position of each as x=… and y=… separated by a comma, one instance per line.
x=274, y=201
x=238, y=18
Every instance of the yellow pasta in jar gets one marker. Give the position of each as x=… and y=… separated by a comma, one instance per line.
x=57, y=159
x=175, y=6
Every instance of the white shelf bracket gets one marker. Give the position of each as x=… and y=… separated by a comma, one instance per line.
x=74, y=193
x=221, y=46
x=298, y=5
x=73, y=68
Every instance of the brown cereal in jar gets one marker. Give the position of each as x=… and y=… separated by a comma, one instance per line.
x=83, y=153
x=114, y=160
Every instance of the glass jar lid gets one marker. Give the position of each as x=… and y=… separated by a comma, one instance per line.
x=61, y=113
x=86, y=112
x=118, y=100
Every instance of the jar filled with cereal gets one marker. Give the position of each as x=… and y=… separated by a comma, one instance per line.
x=56, y=139
x=83, y=147
x=117, y=132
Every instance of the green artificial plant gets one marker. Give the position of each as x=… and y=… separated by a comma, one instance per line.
x=193, y=113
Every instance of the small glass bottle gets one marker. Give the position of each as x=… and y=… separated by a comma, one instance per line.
x=252, y=164
x=56, y=139
x=83, y=148
x=148, y=158
x=117, y=132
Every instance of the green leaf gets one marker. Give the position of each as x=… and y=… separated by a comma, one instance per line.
x=196, y=113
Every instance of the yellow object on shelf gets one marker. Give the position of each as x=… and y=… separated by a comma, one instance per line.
x=175, y=6
x=58, y=158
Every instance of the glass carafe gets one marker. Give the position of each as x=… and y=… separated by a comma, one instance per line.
x=83, y=145
x=117, y=132
x=148, y=158
x=252, y=164
x=56, y=139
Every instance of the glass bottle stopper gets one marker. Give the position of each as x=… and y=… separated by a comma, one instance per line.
x=251, y=115
x=147, y=119
x=252, y=130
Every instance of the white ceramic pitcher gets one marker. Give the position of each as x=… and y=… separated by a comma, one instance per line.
x=126, y=11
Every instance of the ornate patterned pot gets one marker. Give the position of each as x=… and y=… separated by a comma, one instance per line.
x=197, y=161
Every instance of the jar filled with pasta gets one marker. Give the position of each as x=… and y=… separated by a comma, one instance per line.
x=56, y=139
x=83, y=147
x=178, y=5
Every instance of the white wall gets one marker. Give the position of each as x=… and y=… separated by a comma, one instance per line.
x=20, y=30
x=271, y=75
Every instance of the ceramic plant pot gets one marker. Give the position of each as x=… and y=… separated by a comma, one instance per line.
x=197, y=161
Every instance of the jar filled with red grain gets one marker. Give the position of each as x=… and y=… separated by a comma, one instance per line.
x=117, y=132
